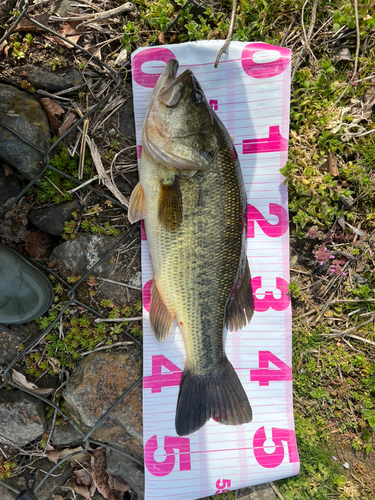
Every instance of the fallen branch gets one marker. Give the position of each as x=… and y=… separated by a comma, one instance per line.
x=100, y=16
x=230, y=33
x=117, y=320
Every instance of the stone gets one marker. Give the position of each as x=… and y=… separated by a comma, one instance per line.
x=259, y=492
x=11, y=338
x=131, y=472
x=83, y=252
x=52, y=486
x=21, y=417
x=9, y=187
x=126, y=120
x=66, y=436
x=52, y=218
x=54, y=81
x=6, y=6
x=95, y=385
x=62, y=8
x=22, y=113
x=25, y=292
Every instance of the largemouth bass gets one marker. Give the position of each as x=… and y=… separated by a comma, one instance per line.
x=192, y=198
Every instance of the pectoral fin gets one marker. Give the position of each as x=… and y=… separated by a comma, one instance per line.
x=241, y=309
x=161, y=318
x=170, y=205
x=137, y=204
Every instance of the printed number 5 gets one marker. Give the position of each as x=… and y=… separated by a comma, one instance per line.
x=272, y=460
x=221, y=486
x=161, y=469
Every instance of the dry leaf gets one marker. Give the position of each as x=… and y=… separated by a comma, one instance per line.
x=37, y=244
x=57, y=497
x=26, y=25
x=67, y=123
x=57, y=455
x=21, y=380
x=81, y=490
x=7, y=169
x=55, y=363
x=83, y=477
x=368, y=103
x=69, y=28
x=122, y=58
x=52, y=109
x=332, y=165
x=100, y=476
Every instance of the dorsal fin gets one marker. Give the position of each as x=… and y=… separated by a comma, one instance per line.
x=170, y=205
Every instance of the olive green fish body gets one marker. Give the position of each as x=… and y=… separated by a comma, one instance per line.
x=195, y=221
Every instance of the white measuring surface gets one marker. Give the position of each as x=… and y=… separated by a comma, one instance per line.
x=250, y=92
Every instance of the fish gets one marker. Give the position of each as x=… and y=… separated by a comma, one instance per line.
x=192, y=198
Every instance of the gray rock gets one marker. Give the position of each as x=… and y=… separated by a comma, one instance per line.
x=52, y=219
x=132, y=473
x=21, y=417
x=82, y=253
x=9, y=187
x=49, y=488
x=259, y=492
x=21, y=112
x=96, y=384
x=56, y=80
x=6, y=6
x=62, y=8
x=126, y=120
x=10, y=339
x=65, y=435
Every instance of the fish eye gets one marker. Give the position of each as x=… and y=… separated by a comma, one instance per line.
x=197, y=97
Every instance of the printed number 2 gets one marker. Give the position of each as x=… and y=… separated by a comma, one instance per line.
x=274, y=459
x=161, y=469
x=221, y=486
x=265, y=375
x=272, y=230
x=157, y=379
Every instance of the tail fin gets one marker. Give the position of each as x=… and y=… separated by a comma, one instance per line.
x=218, y=395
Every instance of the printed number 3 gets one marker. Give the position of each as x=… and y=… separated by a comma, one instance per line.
x=161, y=469
x=221, y=486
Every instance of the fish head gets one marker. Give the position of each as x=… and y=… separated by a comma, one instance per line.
x=179, y=128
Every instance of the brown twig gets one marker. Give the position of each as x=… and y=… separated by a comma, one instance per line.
x=117, y=320
x=230, y=32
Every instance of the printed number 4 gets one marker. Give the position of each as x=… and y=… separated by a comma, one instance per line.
x=265, y=375
x=221, y=486
x=161, y=469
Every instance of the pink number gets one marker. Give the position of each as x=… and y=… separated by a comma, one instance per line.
x=143, y=232
x=271, y=144
x=269, y=301
x=157, y=379
x=272, y=230
x=213, y=104
x=266, y=69
x=149, y=80
x=221, y=486
x=265, y=375
x=271, y=460
x=161, y=469
x=146, y=295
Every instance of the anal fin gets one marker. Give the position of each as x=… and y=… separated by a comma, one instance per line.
x=170, y=205
x=241, y=309
x=137, y=204
x=161, y=318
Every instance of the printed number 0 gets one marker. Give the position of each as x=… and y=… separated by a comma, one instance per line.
x=161, y=469
x=225, y=484
x=272, y=460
